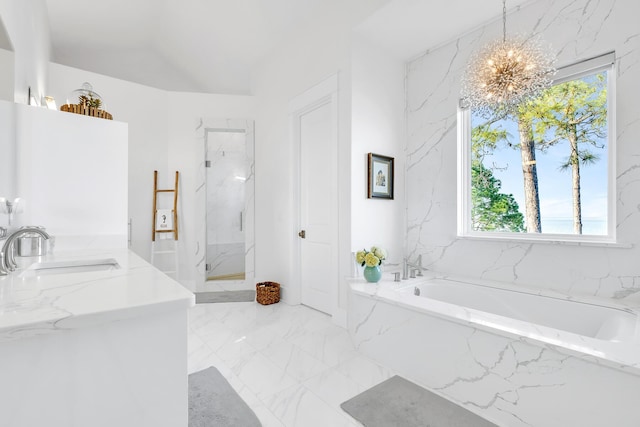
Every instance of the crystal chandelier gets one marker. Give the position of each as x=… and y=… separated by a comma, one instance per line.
x=505, y=73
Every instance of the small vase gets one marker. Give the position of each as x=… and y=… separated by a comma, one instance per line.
x=372, y=274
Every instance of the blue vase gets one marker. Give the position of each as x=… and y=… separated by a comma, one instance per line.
x=372, y=274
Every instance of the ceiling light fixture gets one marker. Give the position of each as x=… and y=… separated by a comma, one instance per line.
x=506, y=72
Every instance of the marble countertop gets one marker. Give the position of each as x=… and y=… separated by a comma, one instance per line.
x=33, y=305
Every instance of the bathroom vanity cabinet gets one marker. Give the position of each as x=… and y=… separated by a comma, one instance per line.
x=93, y=348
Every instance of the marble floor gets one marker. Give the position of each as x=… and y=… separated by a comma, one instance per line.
x=291, y=364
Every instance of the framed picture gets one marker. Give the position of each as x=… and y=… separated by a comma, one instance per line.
x=380, y=172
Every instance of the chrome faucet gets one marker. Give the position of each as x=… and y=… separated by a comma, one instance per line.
x=416, y=267
x=7, y=254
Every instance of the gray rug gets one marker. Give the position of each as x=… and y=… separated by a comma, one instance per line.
x=213, y=402
x=225, y=296
x=398, y=402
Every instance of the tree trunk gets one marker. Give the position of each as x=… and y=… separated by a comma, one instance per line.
x=575, y=175
x=530, y=174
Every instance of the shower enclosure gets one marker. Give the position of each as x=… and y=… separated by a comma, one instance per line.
x=226, y=176
x=224, y=201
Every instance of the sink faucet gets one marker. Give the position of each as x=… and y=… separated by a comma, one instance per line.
x=417, y=266
x=7, y=254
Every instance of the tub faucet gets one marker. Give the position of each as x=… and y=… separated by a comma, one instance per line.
x=417, y=266
x=7, y=254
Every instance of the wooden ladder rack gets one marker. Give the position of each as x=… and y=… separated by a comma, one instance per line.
x=162, y=249
x=174, y=228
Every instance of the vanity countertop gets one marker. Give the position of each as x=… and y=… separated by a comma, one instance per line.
x=34, y=305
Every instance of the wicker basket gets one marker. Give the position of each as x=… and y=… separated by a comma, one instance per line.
x=267, y=292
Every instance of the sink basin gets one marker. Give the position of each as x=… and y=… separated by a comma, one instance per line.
x=76, y=266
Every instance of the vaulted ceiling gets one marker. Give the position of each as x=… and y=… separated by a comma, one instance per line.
x=211, y=46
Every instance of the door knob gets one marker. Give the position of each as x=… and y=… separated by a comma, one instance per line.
x=302, y=234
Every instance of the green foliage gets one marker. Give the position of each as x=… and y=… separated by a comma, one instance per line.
x=575, y=111
x=485, y=139
x=89, y=101
x=492, y=210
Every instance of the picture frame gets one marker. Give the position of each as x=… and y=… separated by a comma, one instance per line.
x=380, y=176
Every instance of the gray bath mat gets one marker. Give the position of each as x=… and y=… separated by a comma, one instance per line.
x=225, y=296
x=398, y=402
x=213, y=402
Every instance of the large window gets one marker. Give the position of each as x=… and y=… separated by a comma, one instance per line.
x=545, y=171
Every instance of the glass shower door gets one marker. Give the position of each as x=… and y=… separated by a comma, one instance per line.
x=226, y=175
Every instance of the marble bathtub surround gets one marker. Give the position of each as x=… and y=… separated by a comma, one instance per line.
x=619, y=351
x=503, y=368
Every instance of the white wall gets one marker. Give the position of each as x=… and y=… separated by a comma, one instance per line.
x=145, y=110
x=27, y=25
x=8, y=159
x=322, y=49
x=286, y=73
x=6, y=75
x=377, y=126
x=577, y=30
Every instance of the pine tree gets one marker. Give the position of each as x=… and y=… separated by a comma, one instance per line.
x=576, y=112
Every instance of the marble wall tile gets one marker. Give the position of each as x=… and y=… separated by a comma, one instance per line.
x=577, y=29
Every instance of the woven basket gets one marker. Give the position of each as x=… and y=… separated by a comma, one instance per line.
x=267, y=293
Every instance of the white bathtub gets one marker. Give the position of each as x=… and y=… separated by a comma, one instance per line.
x=505, y=352
x=587, y=319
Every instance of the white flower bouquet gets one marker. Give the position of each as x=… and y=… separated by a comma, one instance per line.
x=371, y=258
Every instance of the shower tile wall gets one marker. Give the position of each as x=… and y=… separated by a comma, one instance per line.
x=204, y=125
x=577, y=29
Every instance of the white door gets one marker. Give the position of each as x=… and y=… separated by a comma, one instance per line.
x=318, y=205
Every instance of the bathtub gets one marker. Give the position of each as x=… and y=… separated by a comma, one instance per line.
x=516, y=356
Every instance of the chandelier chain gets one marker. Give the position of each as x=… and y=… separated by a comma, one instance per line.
x=504, y=20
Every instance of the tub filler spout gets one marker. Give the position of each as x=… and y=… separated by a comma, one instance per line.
x=415, y=268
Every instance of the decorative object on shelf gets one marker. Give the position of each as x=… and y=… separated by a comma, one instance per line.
x=89, y=103
x=505, y=73
x=31, y=99
x=49, y=102
x=267, y=293
x=371, y=261
x=380, y=173
x=11, y=207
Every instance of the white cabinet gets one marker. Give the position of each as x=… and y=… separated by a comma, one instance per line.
x=72, y=172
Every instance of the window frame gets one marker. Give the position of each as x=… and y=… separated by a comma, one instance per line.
x=574, y=71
